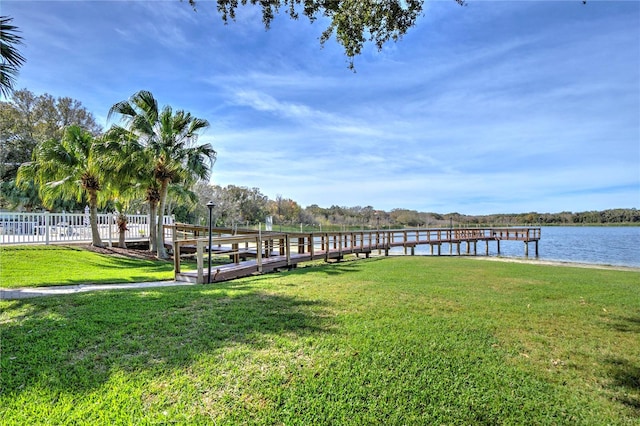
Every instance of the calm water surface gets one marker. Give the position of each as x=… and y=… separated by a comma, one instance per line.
x=608, y=245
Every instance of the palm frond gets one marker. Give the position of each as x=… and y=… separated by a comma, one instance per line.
x=147, y=104
x=11, y=58
x=123, y=108
x=196, y=125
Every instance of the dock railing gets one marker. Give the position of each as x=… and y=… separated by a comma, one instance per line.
x=251, y=251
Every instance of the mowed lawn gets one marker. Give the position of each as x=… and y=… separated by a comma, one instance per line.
x=403, y=340
x=37, y=266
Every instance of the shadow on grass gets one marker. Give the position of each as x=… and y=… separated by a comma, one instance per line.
x=626, y=375
x=627, y=324
x=76, y=343
x=352, y=264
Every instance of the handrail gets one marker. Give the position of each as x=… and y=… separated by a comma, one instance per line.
x=331, y=244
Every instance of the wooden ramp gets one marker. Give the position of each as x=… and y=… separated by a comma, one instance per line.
x=254, y=252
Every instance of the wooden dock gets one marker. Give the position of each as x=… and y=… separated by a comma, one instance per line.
x=254, y=252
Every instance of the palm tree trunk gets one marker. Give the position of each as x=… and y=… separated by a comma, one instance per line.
x=164, y=190
x=93, y=218
x=153, y=212
x=121, y=239
x=122, y=229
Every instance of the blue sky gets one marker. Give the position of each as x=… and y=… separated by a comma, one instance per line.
x=496, y=107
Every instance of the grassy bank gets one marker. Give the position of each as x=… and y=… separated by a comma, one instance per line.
x=404, y=340
x=37, y=266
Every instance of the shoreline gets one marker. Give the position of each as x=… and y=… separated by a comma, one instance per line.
x=559, y=263
x=534, y=261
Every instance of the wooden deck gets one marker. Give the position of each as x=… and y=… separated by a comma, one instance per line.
x=254, y=252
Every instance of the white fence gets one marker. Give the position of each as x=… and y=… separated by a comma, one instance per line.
x=49, y=228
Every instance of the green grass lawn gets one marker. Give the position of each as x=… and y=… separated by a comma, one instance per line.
x=37, y=266
x=402, y=340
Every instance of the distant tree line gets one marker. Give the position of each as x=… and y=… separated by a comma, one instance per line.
x=610, y=216
x=242, y=206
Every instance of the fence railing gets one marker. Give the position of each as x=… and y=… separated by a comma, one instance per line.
x=49, y=228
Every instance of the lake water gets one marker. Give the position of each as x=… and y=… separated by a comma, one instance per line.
x=608, y=245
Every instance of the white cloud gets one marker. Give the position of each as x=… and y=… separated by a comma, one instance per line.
x=496, y=107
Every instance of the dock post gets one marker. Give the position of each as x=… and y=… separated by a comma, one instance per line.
x=487, y=248
x=537, y=255
x=200, y=261
x=431, y=249
x=526, y=249
x=498, y=241
x=327, y=248
x=259, y=254
x=236, y=256
x=176, y=258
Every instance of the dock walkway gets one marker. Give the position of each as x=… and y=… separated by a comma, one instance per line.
x=254, y=252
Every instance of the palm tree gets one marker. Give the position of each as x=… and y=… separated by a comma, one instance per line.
x=11, y=59
x=168, y=139
x=68, y=168
x=129, y=162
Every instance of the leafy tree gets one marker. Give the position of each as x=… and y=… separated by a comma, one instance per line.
x=68, y=168
x=25, y=121
x=353, y=22
x=233, y=204
x=285, y=210
x=251, y=203
x=10, y=58
x=405, y=217
x=205, y=193
x=226, y=210
x=169, y=140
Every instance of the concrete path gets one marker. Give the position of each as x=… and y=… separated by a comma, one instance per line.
x=28, y=292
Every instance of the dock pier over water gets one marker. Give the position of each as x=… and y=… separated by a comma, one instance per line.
x=254, y=252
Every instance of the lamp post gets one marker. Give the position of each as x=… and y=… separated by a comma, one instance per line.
x=210, y=205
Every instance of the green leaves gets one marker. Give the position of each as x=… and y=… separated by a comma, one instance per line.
x=65, y=168
x=353, y=22
x=70, y=168
x=11, y=58
x=160, y=148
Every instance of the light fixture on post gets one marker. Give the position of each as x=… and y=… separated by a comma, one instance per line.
x=210, y=205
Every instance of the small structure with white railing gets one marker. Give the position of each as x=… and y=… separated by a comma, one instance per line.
x=56, y=228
